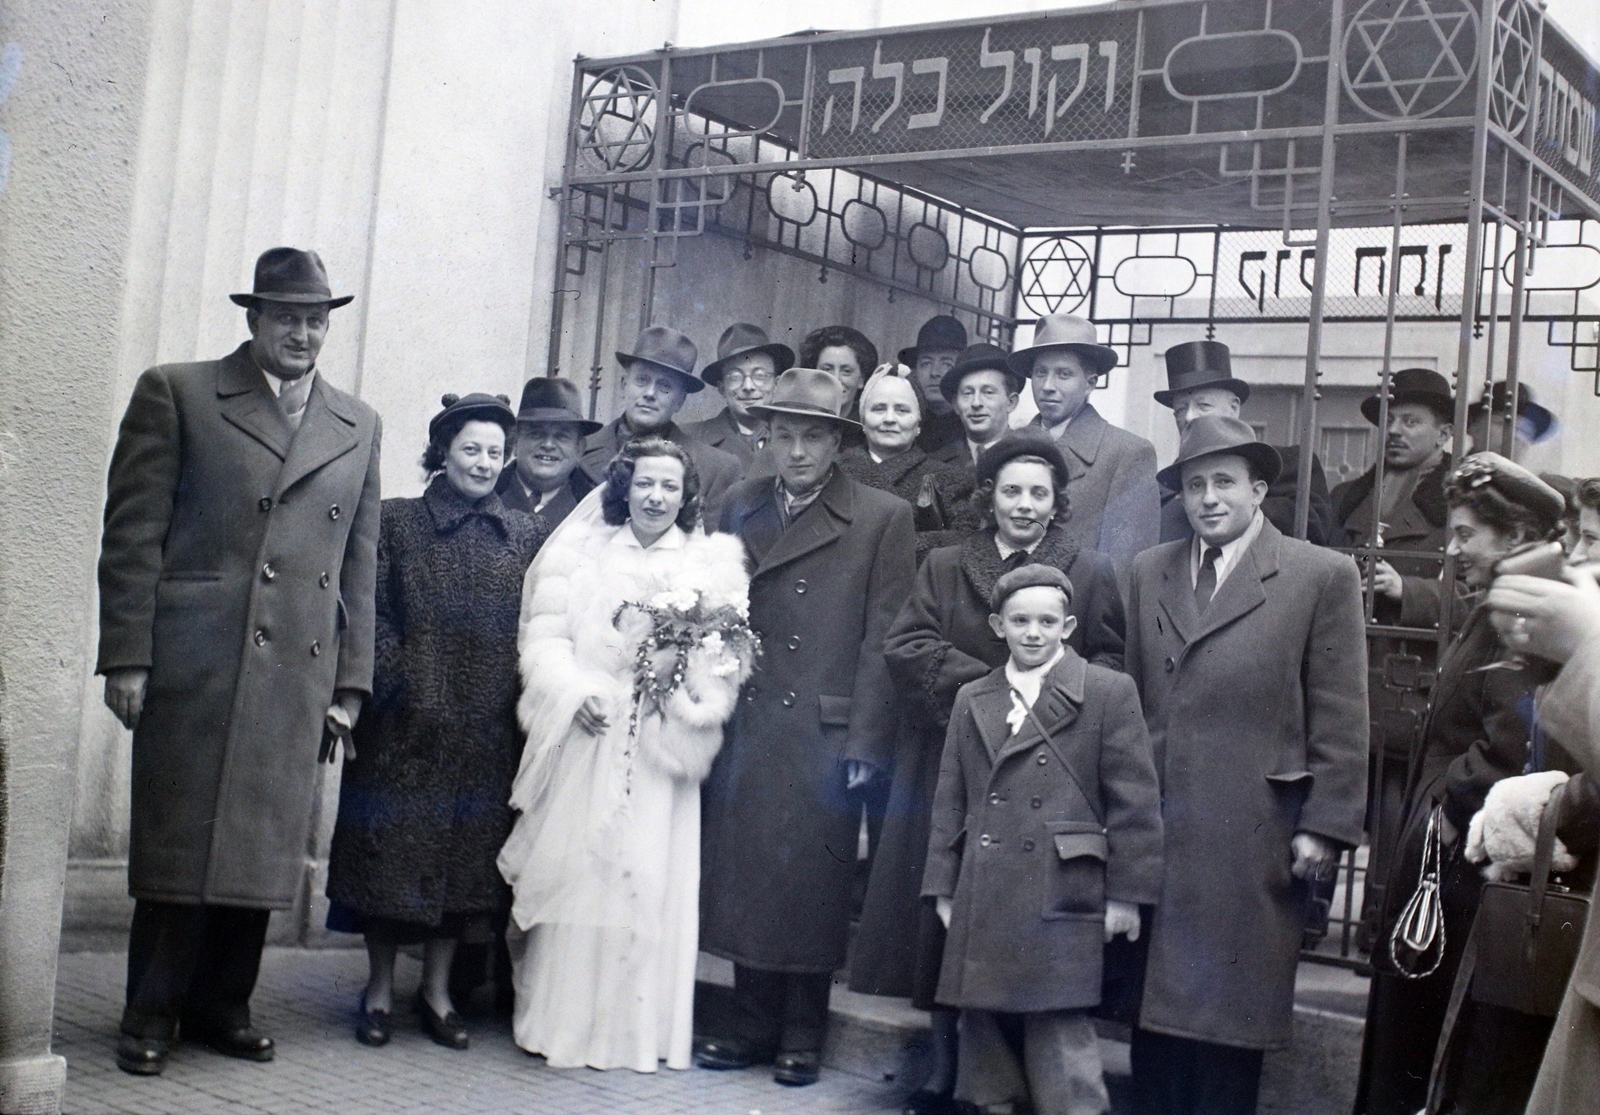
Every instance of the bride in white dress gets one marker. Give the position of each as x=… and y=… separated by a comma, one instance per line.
x=604, y=859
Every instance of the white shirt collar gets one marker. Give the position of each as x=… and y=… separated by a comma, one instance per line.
x=1027, y=683
x=1231, y=551
x=1007, y=550
x=674, y=539
x=277, y=383
x=977, y=450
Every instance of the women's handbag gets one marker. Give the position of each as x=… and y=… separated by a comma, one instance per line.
x=1529, y=932
x=1416, y=945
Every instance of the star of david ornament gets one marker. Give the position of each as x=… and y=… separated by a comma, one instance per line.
x=615, y=119
x=1057, y=275
x=1405, y=59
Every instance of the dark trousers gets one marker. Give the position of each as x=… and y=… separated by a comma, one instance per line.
x=782, y=1011
x=194, y=964
x=1181, y=1076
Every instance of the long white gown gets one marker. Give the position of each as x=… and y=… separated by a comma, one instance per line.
x=604, y=859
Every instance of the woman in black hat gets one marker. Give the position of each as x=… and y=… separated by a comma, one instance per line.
x=422, y=804
x=1475, y=735
x=941, y=641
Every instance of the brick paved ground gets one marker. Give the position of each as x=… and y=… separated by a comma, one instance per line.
x=306, y=999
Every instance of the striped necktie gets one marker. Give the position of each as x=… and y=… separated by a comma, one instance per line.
x=293, y=399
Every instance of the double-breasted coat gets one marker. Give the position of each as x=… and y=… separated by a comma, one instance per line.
x=1034, y=831
x=1258, y=719
x=1114, y=499
x=237, y=565
x=780, y=830
x=424, y=806
x=940, y=641
x=718, y=470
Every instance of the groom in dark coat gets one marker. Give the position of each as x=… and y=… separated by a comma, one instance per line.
x=832, y=562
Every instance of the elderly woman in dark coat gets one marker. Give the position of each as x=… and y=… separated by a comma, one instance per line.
x=423, y=803
x=940, y=641
x=1476, y=734
x=939, y=493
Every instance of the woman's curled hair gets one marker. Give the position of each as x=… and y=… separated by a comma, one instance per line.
x=1499, y=511
x=619, y=478
x=839, y=336
x=983, y=494
x=444, y=435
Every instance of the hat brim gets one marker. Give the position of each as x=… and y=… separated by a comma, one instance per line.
x=782, y=356
x=950, y=382
x=485, y=412
x=691, y=383
x=1103, y=357
x=1238, y=386
x=249, y=300
x=1258, y=453
x=767, y=410
x=1442, y=405
x=586, y=426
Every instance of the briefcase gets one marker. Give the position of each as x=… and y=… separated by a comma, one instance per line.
x=1528, y=933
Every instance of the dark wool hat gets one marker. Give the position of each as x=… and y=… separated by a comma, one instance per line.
x=979, y=358
x=488, y=408
x=1030, y=441
x=1512, y=481
x=1534, y=422
x=291, y=275
x=1415, y=385
x=942, y=332
x=551, y=399
x=1029, y=576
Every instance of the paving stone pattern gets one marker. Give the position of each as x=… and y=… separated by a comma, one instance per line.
x=306, y=1002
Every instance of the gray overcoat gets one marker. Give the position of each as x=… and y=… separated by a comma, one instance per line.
x=1033, y=833
x=1111, y=487
x=237, y=565
x=1258, y=719
x=780, y=831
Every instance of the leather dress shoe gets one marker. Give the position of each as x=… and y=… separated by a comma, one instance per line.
x=797, y=1069
x=372, y=1026
x=243, y=1042
x=141, y=1056
x=447, y=1031
x=924, y=1102
x=726, y=1054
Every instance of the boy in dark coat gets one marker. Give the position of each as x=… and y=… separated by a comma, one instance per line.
x=1046, y=839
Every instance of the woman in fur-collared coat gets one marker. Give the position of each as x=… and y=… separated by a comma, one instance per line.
x=940, y=641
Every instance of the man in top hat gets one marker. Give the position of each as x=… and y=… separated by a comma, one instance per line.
x=1408, y=515
x=1200, y=380
x=1247, y=647
x=1486, y=418
x=551, y=436
x=657, y=377
x=237, y=579
x=984, y=391
x=1111, y=484
x=940, y=342
x=832, y=563
x=746, y=367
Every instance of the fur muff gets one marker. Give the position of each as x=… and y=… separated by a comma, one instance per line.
x=1505, y=831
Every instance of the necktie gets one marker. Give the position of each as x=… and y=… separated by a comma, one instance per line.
x=1205, y=584
x=293, y=399
x=1017, y=560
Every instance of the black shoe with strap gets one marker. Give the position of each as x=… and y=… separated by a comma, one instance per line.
x=372, y=1026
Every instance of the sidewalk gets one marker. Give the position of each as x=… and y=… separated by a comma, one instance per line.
x=306, y=1001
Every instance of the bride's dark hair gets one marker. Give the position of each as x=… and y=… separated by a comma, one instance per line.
x=619, y=478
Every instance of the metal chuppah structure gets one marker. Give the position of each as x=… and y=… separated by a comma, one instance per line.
x=1143, y=163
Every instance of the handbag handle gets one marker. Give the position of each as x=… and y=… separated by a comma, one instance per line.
x=1543, y=852
x=1420, y=926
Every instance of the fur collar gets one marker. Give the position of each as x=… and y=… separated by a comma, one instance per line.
x=982, y=566
x=858, y=464
x=450, y=508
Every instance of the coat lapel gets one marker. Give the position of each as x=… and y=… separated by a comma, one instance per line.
x=327, y=431
x=1177, y=595
x=990, y=699
x=1060, y=698
x=761, y=526
x=821, y=523
x=1082, y=439
x=249, y=404
x=1242, y=592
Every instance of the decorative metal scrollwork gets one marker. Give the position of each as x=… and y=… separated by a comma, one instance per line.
x=1405, y=59
x=616, y=119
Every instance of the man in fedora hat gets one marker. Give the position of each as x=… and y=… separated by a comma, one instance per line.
x=939, y=344
x=1200, y=380
x=1111, y=484
x=1247, y=647
x=832, y=563
x=657, y=377
x=550, y=441
x=1486, y=417
x=1408, y=515
x=984, y=391
x=237, y=579
x=746, y=367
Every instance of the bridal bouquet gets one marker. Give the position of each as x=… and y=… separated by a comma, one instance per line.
x=678, y=624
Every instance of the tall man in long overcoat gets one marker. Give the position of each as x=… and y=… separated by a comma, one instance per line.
x=236, y=632
x=832, y=561
x=1248, y=651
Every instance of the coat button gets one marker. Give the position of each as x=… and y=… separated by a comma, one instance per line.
x=1027, y=845
x=789, y=699
x=984, y=840
x=800, y=586
x=316, y=648
x=261, y=636
x=1169, y=664
x=995, y=799
x=264, y=503
x=794, y=642
x=1043, y=759
x=333, y=512
x=1036, y=802
x=323, y=581
x=268, y=573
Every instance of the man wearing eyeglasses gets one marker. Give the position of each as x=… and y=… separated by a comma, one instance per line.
x=746, y=367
